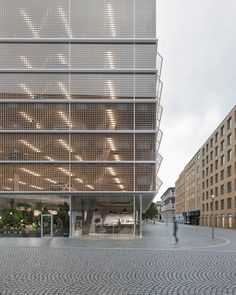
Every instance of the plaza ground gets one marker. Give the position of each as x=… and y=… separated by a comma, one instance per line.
x=151, y=265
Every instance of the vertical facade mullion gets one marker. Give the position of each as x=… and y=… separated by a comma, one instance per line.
x=141, y=212
x=69, y=91
x=134, y=215
x=134, y=22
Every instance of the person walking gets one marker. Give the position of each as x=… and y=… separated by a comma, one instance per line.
x=175, y=228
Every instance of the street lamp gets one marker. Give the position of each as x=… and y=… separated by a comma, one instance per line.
x=213, y=216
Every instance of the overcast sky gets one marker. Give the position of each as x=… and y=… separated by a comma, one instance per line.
x=197, y=39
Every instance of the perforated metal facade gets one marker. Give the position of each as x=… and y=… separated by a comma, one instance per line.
x=79, y=98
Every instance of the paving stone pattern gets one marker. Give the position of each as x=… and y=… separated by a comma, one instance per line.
x=75, y=271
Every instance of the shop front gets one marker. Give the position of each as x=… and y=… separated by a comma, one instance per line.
x=76, y=215
x=105, y=216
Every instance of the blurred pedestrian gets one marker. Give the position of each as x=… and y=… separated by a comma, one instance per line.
x=175, y=228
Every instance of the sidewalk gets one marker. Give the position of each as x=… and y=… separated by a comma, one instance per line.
x=156, y=236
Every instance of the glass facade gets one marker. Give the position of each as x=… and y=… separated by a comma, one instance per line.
x=80, y=113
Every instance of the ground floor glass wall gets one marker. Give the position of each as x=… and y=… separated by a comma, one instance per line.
x=102, y=216
x=105, y=216
x=34, y=216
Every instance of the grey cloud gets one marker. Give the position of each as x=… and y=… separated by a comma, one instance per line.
x=198, y=42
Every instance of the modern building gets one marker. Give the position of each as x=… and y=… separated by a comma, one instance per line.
x=214, y=178
x=168, y=205
x=80, y=102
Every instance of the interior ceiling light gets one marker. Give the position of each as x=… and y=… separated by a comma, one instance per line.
x=62, y=59
x=65, y=21
x=27, y=90
x=37, y=187
x=79, y=180
x=27, y=117
x=49, y=158
x=64, y=90
x=53, y=212
x=78, y=157
x=65, y=171
x=111, y=19
x=89, y=186
x=20, y=182
x=111, y=89
x=30, y=172
x=37, y=213
x=26, y=62
x=65, y=119
x=26, y=143
x=117, y=157
x=111, y=171
x=110, y=60
x=111, y=118
x=111, y=143
x=121, y=186
x=29, y=23
x=50, y=180
x=65, y=145
x=117, y=180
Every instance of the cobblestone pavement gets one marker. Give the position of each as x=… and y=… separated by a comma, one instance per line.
x=51, y=267
x=116, y=271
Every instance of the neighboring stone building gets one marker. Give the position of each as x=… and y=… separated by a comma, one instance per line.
x=168, y=205
x=211, y=172
x=218, y=159
x=180, y=200
x=188, y=192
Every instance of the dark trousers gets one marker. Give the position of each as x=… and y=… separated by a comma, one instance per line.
x=175, y=235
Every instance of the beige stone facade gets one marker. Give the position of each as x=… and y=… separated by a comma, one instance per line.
x=180, y=192
x=212, y=172
x=188, y=192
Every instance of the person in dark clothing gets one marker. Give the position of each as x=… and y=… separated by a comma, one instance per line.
x=175, y=228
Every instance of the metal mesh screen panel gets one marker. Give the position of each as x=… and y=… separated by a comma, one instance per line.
x=68, y=146
x=75, y=177
x=34, y=86
x=39, y=116
x=77, y=147
x=34, y=18
x=82, y=56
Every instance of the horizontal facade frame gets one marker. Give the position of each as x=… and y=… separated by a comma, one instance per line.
x=68, y=101
x=81, y=71
x=70, y=131
x=76, y=162
x=149, y=193
x=81, y=40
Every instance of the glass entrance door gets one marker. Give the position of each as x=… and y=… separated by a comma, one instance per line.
x=46, y=226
